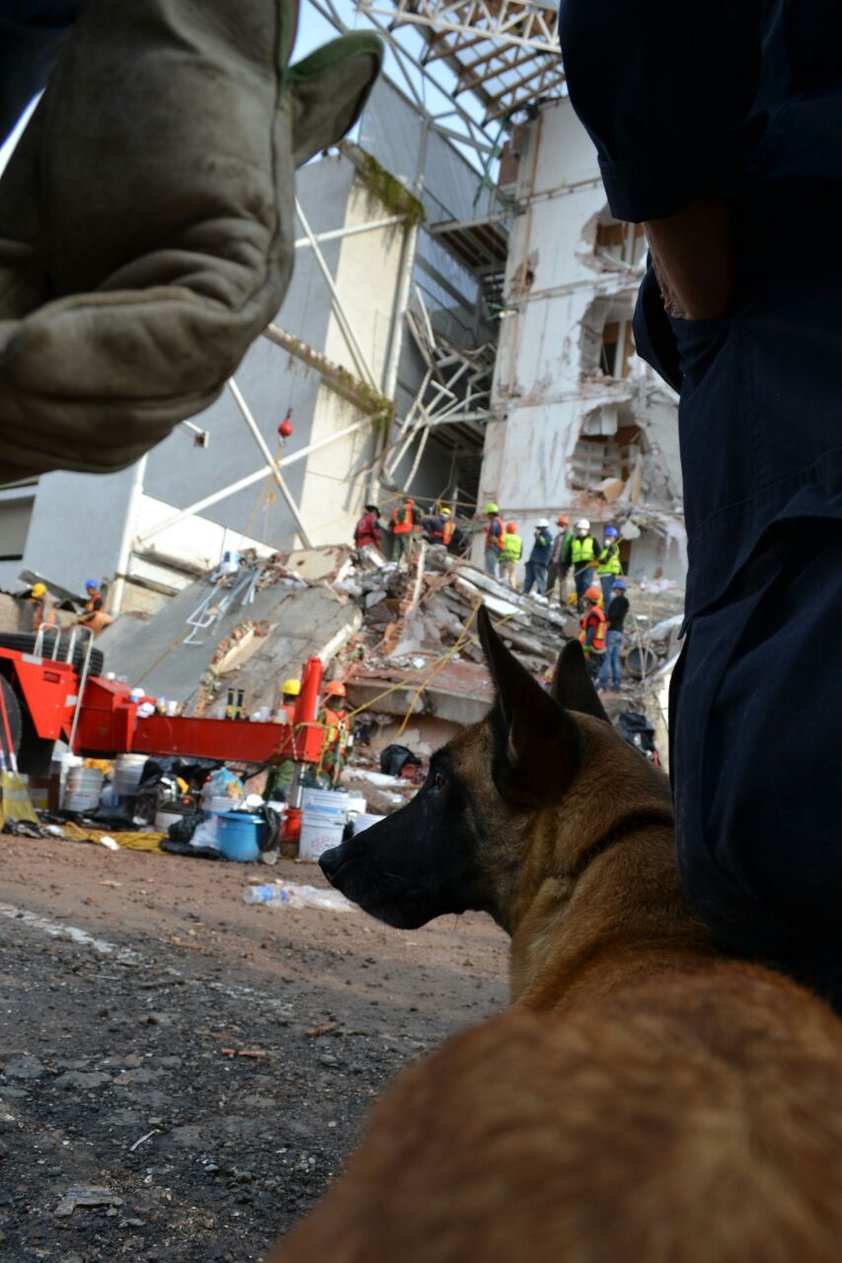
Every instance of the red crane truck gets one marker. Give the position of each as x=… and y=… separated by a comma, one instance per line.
x=50, y=690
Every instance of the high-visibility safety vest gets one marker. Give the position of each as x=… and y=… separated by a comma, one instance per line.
x=609, y=560
x=582, y=551
x=448, y=526
x=402, y=520
x=494, y=540
x=337, y=728
x=594, y=618
x=512, y=549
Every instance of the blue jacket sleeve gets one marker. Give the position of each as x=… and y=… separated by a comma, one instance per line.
x=666, y=89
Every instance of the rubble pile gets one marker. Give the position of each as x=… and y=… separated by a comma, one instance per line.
x=403, y=642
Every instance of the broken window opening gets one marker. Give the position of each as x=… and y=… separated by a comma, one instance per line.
x=607, y=339
x=622, y=243
x=599, y=456
x=617, y=348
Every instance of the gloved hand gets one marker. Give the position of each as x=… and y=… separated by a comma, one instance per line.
x=146, y=218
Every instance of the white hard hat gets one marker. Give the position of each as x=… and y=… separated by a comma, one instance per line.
x=542, y=521
x=583, y=524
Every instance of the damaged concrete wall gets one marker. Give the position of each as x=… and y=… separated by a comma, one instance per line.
x=565, y=365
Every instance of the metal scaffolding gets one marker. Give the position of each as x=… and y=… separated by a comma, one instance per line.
x=504, y=51
x=452, y=401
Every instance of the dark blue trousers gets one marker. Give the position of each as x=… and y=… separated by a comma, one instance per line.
x=756, y=757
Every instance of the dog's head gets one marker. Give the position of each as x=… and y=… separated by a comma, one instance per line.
x=532, y=790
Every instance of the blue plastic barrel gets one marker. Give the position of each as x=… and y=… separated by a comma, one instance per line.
x=238, y=834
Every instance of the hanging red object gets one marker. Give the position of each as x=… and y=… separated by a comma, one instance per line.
x=285, y=428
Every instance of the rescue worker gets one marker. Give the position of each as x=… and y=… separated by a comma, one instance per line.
x=583, y=559
x=609, y=564
x=448, y=526
x=46, y=606
x=93, y=615
x=558, y=566
x=438, y=528
x=717, y=127
x=592, y=635
x=615, y=616
x=539, y=558
x=510, y=554
x=290, y=690
x=337, y=739
x=280, y=775
x=367, y=531
x=494, y=533
x=403, y=532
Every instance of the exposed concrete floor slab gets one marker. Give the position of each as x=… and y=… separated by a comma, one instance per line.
x=290, y=623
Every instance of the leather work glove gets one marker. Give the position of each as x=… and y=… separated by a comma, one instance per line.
x=146, y=218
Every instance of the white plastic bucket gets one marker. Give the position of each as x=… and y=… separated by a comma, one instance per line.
x=83, y=788
x=364, y=821
x=319, y=832
x=332, y=803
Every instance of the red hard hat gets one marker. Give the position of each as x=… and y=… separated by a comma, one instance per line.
x=593, y=594
x=562, y=520
x=335, y=689
x=511, y=528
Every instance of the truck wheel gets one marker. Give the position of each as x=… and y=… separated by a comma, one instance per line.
x=24, y=642
x=12, y=705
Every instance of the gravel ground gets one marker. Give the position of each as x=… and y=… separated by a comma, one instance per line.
x=181, y=1073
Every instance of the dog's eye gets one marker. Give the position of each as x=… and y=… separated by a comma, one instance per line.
x=438, y=780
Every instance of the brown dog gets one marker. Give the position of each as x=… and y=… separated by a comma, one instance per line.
x=646, y=1098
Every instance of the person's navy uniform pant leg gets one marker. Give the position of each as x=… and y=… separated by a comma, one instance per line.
x=744, y=103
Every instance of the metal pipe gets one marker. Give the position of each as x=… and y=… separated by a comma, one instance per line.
x=270, y=459
x=242, y=483
x=354, y=347
x=349, y=231
x=124, y=557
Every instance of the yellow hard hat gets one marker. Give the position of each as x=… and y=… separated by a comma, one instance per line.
x=445, y=511
x=292, y=687
x=491, y=507
x=39, y=589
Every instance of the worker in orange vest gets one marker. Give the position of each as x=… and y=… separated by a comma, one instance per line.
x=592, y=635
x=448, y=526
x=438, y=528
x=338, y=737
x=403, y=532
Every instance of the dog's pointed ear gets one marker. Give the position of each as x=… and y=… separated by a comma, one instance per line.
x=572, y=686
x=537, y=745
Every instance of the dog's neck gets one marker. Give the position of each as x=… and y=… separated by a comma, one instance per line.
x=615, y=915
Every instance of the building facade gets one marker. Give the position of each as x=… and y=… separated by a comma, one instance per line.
x=578, y=422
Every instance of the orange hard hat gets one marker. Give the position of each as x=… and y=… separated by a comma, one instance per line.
x=511, y=528
x=592, y=594
x=562, y=520
x=335, y=689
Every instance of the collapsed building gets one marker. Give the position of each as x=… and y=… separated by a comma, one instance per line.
x=577, y=420
x=458, y=328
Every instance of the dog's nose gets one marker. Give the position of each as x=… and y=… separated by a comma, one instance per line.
x=329, y=861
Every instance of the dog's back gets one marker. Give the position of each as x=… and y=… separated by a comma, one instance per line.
x=693, y=1122
x=647, y=1098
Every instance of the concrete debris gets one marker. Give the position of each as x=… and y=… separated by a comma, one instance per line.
x=404, y=643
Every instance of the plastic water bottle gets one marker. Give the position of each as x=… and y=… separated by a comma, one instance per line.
x=289, y=895
x=267, y=894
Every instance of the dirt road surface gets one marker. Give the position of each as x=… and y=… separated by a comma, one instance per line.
x=182, y=1073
